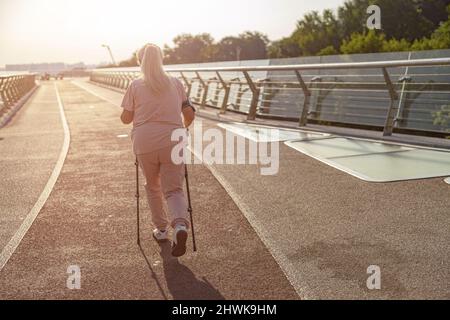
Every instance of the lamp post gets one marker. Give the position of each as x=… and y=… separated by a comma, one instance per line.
x=110, y=53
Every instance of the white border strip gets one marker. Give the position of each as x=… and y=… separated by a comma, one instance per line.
x=303, y=291
x=244, y=130
x=292, y=275
x=357, y=174
x=12, y=245
x=95, y=93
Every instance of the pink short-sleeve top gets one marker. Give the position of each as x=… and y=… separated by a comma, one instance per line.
x=155, y=116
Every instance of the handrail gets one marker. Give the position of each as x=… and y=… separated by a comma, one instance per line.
x=257, y=92
x=13, y=87
x=13, y=74
x=300, y=67
x=324, y=66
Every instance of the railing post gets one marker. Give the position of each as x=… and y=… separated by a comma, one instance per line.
x=401, y=101
x=389, y=125
x=187, y=83
x=116, y=83
x=205, y=90
x=255, y=97
x=217, y=90
x=314, y=110
x=265, y=89
x=119, y=80
x=307, y=93
x=15, y=89
x=7, y=99
x=226, y=96
x=2, y=95
x=239, y=95
x=404, y=80
x=111, y=79
x=130, y=79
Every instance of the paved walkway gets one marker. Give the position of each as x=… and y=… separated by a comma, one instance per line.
x=325, y=228
x=89, y=221
x=29, y=150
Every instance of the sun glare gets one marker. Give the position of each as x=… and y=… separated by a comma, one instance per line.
x=73, y=30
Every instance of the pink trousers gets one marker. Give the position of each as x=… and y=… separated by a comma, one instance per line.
x=164, y=179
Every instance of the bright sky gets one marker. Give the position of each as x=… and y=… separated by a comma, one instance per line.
x=33, y=31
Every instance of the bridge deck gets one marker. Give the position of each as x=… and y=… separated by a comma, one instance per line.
x=322, y=226
x=89, y=221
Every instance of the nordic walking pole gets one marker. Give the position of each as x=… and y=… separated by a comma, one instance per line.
x=190, y=207
x=137, y=203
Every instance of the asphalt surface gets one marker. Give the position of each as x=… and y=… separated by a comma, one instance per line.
x=325, y=227
x=29, y=148
x=318, y=226
x=89, y=221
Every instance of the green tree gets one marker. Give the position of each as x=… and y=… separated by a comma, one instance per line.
x=440, y=39
x=131, y=62
x=406, y=25
x=352, y=17
x=285, y=48
x=395, y=45
x=247, y=46
x=433, y=10
x=369, y=42
x=372, y=42
x=190, y=49
x=442, y=118
x=316, y=32
x=328, y=51
x=401, y=19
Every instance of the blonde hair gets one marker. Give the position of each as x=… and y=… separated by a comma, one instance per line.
x=150, y=58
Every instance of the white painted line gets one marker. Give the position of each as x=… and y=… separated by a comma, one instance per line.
x=31, y=216
x=331, y=161
x=261, y=133
x=285, y=265
x=304, y=291
x=95, y=93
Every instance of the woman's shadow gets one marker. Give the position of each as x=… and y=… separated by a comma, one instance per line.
x=182, y=282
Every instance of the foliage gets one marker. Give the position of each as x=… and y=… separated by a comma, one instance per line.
x=364, y=43
x=189, y=49
x=440, y=39
x=328, y=51
x=406, y=25
x=247, y=46
x=442, y=117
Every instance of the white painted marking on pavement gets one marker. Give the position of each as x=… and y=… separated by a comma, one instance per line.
x=285, y=265
x=303, y=291
x=95, y=93
x=31, y=216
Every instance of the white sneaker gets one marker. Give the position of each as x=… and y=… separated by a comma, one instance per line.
x=160, y=236
x=180, y=236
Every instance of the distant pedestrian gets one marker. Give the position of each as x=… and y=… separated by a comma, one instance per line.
x=157, y=105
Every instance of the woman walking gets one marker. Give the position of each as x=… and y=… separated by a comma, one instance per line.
x=157, y=105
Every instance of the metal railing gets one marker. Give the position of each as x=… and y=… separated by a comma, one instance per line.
x=388, y=94
x=13, y=88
